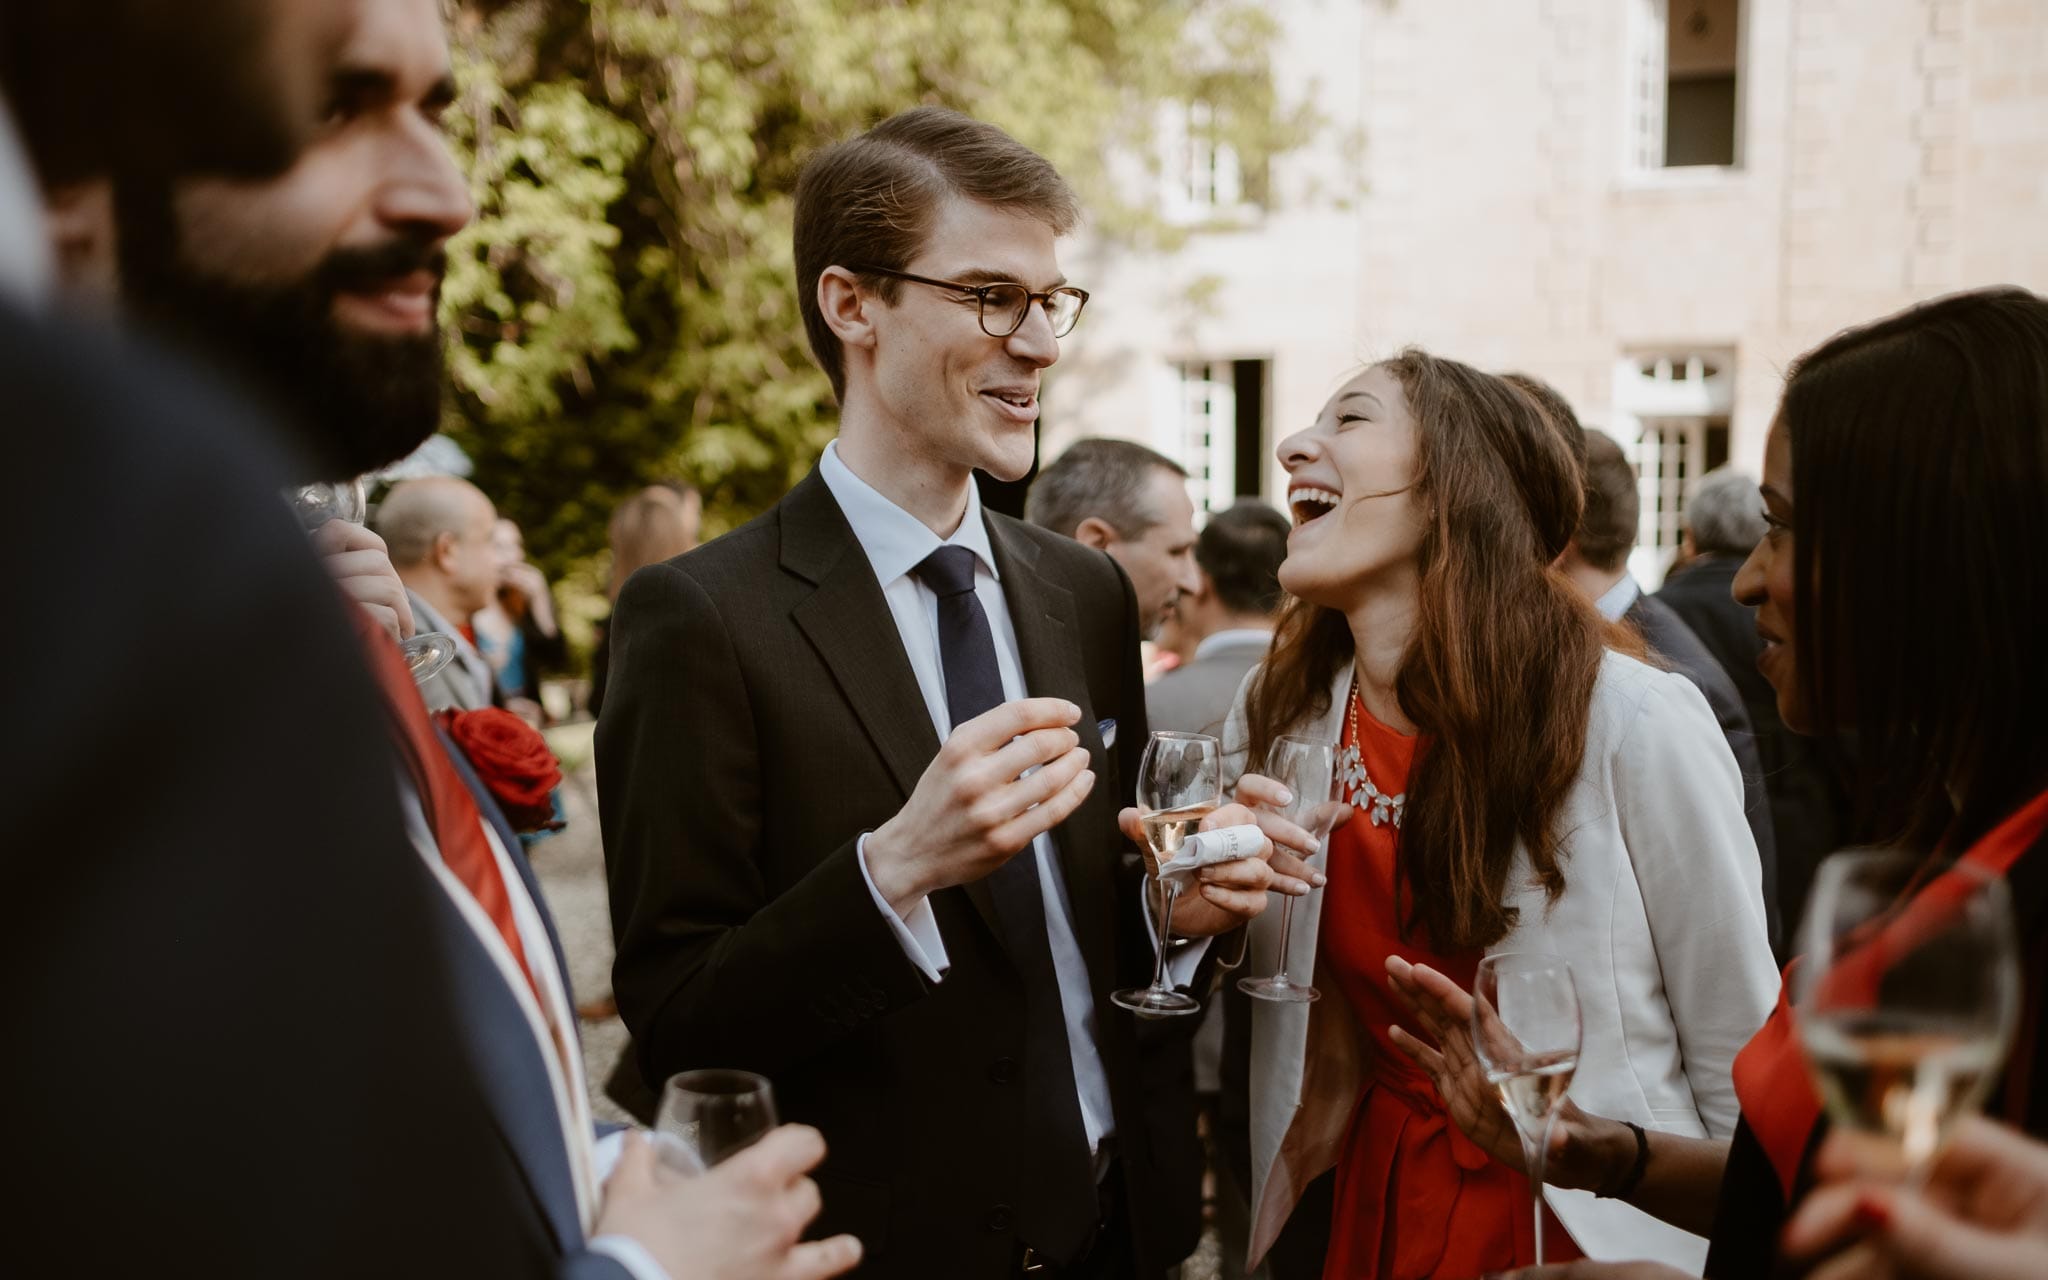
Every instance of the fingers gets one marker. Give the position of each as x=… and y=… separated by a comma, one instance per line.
x=1032, y=750
x=1287, y=865
x=1256, y=789
x=1424, y=1056
x=337, y=536
x=819, y=1259
x=635, y=1167
x=1850, y=1155
x=1830, y=1217
x=778, y=1159
x=997, y=725
x=1245, y=904
x=1055, y=809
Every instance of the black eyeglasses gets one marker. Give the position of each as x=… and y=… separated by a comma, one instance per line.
x=1004, y=305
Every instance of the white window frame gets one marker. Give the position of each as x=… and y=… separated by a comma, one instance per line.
x=1201, y=178
x=1201, y=431
x=1664, y=403
x=1646, y=99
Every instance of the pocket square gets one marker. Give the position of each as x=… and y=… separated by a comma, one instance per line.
x=1106, y=730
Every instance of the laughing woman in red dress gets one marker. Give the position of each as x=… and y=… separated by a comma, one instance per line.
x=1515, y=784
x=1902, y=592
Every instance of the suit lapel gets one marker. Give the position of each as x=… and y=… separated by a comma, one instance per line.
x=515, y=853
x=1040, y=612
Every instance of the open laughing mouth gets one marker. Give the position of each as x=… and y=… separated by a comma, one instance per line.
x=1310, y=505
x=1016, y=403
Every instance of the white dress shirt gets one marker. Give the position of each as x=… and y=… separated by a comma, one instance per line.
x=896, y=542
x=1618, y=599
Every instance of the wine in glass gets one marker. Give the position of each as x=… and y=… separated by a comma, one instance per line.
x=1180, y=782
x=708, y=1115
x=1305, y=767
x=1525, y=1030
x=427, y=653
x=1907, y=993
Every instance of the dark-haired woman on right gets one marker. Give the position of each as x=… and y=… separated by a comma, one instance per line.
x=1902, y=592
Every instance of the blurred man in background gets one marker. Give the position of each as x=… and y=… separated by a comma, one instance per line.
x=439, y=532
x=1229, y=615
x=1125, y=499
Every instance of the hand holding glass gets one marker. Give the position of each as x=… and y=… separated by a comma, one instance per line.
x=1305, y=766
x=1180, y=782
x=1525, y=1031
x=315, y=504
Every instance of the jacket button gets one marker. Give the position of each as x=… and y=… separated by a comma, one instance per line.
x=999, y=1218
x=1002, y=1070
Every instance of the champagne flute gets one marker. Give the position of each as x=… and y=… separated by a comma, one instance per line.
x=427, y=653
x=1525, y=1029
x=1907, y=993
x=1305, y=766
x=708, y=1115
x=1180, y=782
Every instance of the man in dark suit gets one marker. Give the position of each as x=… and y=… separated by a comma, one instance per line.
x=1597, y=563
x=318, y=284
x=845, y=848
x=1723, y=523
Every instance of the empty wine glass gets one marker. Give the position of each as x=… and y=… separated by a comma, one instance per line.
x=1305, y=767
x=1180, y=782
x=427, y=653
x=1907, y=993
x=708, y=1115
x=1525, y=1030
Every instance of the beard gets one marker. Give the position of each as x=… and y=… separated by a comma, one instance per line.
x=351, y=402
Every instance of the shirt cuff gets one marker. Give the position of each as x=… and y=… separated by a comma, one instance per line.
x=605, y=1153
x=630, y=1254
x=917, y=930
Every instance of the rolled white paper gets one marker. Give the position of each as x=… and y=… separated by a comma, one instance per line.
x=1205, y=848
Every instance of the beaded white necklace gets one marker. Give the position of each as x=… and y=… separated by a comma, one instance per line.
x=1380, y=808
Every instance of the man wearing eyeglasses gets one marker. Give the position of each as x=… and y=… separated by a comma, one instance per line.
x=915, y=941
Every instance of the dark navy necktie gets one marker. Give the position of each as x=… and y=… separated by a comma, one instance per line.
x=1057, y=1208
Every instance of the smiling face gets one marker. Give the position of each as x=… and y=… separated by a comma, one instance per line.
x=1358, y=524
x=1767, y=582
x=322, y=284
x=927, y=373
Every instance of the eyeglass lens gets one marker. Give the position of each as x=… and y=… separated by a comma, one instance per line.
x=1002, y=309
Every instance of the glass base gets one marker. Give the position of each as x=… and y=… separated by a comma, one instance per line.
x=1280, y=989
x=427, y=655
x=1156, y=1002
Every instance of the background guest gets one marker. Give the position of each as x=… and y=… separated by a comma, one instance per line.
x=438, y=529
x=1596, y=563
x=658, y=523
x=517, y=631
x=1132, y=502
x=1228, y=616
x=1802, y=776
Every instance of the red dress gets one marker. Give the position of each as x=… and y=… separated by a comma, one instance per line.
x=1414, y=1197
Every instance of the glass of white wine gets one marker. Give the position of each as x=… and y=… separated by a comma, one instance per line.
x=1907, y=993
x=1180, y=782
x=1305, y=767
x=1525, y=1030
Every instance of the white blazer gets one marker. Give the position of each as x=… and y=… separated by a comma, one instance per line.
x=1662, y=919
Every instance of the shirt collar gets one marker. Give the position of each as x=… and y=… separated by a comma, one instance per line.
x=896, y=541
x=1241, y=636
x=1618, y=599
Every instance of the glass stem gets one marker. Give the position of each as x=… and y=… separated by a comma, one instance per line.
x=1536, y=1151
x=1168, y=891
x=1286, y=925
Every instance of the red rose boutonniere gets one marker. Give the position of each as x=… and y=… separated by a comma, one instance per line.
x=514, y=762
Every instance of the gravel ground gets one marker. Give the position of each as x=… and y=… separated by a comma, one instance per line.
x=570, y=867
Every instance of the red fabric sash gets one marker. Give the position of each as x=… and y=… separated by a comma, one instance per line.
x=1779, y=1100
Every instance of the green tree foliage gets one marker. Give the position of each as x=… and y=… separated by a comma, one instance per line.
x=624, y=309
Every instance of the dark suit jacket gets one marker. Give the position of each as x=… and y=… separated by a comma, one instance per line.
x=507, y=1065
x=1670, y=640
x=762, y=716
x=1808, y=804
x=231, y=1052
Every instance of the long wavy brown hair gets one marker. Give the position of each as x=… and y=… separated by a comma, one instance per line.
x=1499, y=675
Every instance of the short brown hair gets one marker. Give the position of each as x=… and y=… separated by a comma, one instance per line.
x=1102, y=478
x=869, y=200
